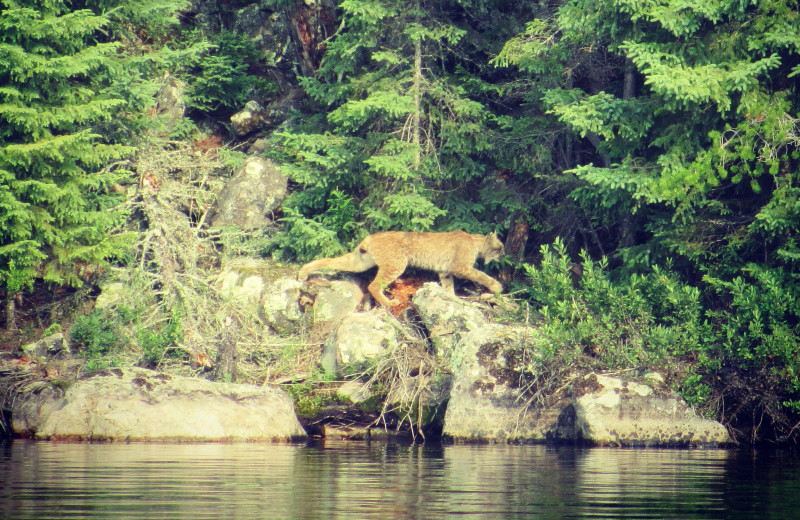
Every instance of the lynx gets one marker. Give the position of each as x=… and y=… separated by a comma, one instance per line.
x=449, y=254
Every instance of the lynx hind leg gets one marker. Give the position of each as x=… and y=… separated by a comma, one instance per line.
x=481, y=278
x=446, y=280
x=355, y=262
x=386, y=275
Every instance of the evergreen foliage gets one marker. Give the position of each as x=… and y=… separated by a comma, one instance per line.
x=654, y=141
x=57, y=209
x=222, y=80
x=401, y=140
x=636, y=323
x=681, y=123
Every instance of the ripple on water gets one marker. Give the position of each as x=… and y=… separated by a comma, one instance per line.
x=389, y=481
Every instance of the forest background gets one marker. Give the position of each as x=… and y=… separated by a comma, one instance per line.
x=652, y=143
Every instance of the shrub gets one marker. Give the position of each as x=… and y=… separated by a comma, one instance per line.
x=618, y=324
x=223, y=80
x=98, y=337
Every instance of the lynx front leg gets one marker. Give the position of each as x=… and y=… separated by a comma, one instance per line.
x=310, y=267
x=480, y=277
x=446, y=280
x=384, y=278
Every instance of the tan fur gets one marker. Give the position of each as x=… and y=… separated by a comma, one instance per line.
x=449, y=254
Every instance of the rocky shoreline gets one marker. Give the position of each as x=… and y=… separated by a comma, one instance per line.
x=476, y=393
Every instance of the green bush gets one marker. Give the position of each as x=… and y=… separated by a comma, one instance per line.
x=736, y=342
x=223, y=80
x=156, y=343
x=756, y=342
x=97, y=337
x=619, y=324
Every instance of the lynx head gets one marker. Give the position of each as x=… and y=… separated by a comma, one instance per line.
x=492, y=248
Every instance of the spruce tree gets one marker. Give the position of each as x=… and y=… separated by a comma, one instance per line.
x=56, y=207
x=401, y=139
x=687, y=115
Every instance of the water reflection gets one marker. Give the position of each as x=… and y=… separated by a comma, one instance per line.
x=364, y=481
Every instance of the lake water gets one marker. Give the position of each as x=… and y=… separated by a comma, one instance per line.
x=355, y=480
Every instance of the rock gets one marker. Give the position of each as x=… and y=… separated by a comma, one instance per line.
x=256, y=189
x=114, y=288
x=272, y=31
x=258, y=147
x=255, y=117
x=265, y=286
x=335, y=299
x=613, y=411
x=170, y=101
x=447, y=318
x=357, y=391
x=138, y=404
x=360, y=337
x=345, y=432
x=486, y=401
x=207, y=15
x=50, y=347
x=242, y=279
x=281, y=307
x=249, y=119
x=110, y=294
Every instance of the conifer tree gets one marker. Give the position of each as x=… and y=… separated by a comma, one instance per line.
x=691, y=109
x=690, y=112
x=402, y=141
x=56, y=208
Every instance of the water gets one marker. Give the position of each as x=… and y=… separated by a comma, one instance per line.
x=390, y=481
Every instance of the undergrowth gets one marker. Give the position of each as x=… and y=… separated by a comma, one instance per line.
x=738, y=362
x=169, y=313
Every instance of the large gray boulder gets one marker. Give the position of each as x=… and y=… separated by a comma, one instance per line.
x=281, y=304
x=256, y=189
x=54, y=345
x=138, y=404
x=243, y=279
x=334, y=299
x=610, y=410
x=492, y=398
x=447, y=318
x=489, y=400
x=170, y=102
x=360, y=337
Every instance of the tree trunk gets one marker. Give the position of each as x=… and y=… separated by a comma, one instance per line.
x=312, y=23
x=629, y=81
x=417, y=130
x=596, y=142
x=11, y=312
x=628, y=92
x=515, y=244
x=227, y=352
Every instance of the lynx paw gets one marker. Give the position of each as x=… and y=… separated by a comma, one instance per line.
x=496, y=287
